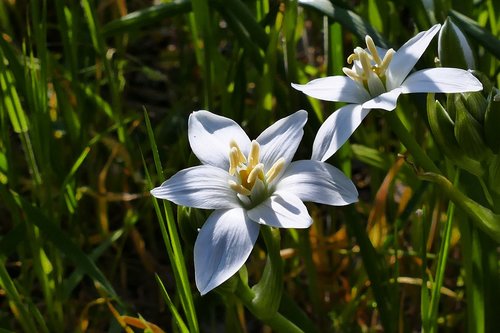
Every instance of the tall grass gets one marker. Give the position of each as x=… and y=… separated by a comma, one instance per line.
x=94, y=103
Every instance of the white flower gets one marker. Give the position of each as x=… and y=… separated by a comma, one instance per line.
x=248, y=183
x=376, y=79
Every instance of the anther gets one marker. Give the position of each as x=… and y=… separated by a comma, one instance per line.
x=373, y=50
x=352, y=74
x=253, y=156
x=238, y=188
x=233, y=161
x=365, y=63
x=257, y=172
x=275, y=170
x=241, y=157
x=236, y=157
x=351, y=58
x=387, y=59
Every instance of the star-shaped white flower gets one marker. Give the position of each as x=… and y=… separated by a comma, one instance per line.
x=248, y=183
x=375, y=81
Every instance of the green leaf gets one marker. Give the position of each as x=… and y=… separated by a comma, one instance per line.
x=470, y=27
x=372, y=157
x=454, y=49
x=171, y=237
x=442, y=129
x=146, y=17
x=347, y=18
x=63, y=242
x=483, y=217
x=15, y=301
x=177, y=317
x=378, y=272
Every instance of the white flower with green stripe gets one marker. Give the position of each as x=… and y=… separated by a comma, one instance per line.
x=248, y=183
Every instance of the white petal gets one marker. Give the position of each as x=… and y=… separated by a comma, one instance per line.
x=210, y=135
x=386, y=101
x=334, y=88
x=281, y=210
x=223, y=245
x=202, y=186
x=336, y=130
x=281, y=139
x=445, y=80
x=318, y=182
x=407, y=56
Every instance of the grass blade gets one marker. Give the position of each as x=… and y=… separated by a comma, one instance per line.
x=146, y=17
x=101, y=50
x=171, y=239
x=178, y=319
x=15, y=302
x=347, y=18
x=471, y=28
x=61, y=240
x=441, y=266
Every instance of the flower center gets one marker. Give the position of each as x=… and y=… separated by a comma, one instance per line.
x=252, y=182
x=369, y=68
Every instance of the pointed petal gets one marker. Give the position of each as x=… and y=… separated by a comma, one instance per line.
x=282, y=139
x=336, y=130
x=223, y=245
x=202, y=186
x=281, y=210
x=210, y=135
x=444, y=80
x=407, y=56
x=334, y=88
x=386, y=101
x=318, y=182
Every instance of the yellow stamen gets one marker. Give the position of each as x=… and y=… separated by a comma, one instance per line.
x=236, y=157
x=250, y=182
x=352, y=74
x=234, y=161
x=365, y=63
x=238, y=188
x=351, y=58
x=387, y=59
x=275, y=170
x=241, y=157
x=253, y=156
x=369, y=68
x=257, y=172
x=373, y=50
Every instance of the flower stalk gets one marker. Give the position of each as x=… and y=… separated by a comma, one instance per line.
x=270, y=287
x=277, y=321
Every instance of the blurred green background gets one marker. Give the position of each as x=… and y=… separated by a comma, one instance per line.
x=80, y=237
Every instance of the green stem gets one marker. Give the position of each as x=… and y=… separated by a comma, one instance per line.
x=410, y=143
x=441, y=266
x=268, y=291
x=277, y=322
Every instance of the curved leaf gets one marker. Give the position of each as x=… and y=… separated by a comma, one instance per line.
x=474, y=30
x=347, y=18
